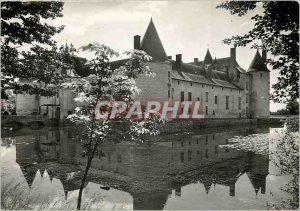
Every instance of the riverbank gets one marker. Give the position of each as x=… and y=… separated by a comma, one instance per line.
x=12, y=123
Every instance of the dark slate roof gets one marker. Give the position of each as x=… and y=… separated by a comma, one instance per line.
x=81, y=68
x=257, y=64
x=194, y=73
x=152, y=45
x=208, y=58
x=116, y=64
x=220, y=63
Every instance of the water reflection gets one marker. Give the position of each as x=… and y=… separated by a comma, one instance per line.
x=44, y=170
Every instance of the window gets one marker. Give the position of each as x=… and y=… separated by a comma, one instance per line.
x=216, y=99
x=206, y=140
x=206, y=153
x=213, y=112
x=197, y=141
x=191, y=84
x=222, y=89
x=169, y=74
x=190, y=96
x=247, y=85
x=227, y=102
x=182, y=144
x=182, y=157
x=169, y=93
x=240, y=103
x=178, y=82
x=247, y=98
x=206, y=110
x=189, y=155
x=190, y=143
x=119, y=158
x=172, y=93
x=216, y=149
x=202, y=85
x=206, y=97
x=182, y=96
x=198, y=98
x=212, y=87
x=230, y=90
x=198, y=152
x=261, y=75
x=108, y=157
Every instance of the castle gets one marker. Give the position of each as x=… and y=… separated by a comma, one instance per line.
x=224, y=89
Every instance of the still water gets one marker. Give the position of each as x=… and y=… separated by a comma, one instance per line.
x=41, y=169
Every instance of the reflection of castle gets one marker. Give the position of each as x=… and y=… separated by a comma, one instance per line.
x=150, y=172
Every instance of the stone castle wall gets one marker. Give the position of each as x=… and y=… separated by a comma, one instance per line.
x=259, y=94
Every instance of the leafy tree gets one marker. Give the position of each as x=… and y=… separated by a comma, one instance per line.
x=277, y=31
x=293, y=107
x=106, y=84
x=27, y=48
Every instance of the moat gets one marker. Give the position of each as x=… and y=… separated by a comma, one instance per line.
x=41, y=169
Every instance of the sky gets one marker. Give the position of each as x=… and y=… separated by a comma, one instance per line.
x=185, y=27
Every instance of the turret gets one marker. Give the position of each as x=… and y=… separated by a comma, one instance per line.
x=259, y=105
x=152, y=45
x=208, y=61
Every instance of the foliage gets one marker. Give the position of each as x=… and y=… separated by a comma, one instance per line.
x=292, y=108
x=9, y=104
x=286, y=159
x=285, y=156
x=27, y=48
x=276, y=30
x=106, y=84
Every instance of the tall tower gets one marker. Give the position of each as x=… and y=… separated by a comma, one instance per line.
x=259, y=105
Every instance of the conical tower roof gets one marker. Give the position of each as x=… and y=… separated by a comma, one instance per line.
x=152, y=45
x=208, y=58
x=257, y=64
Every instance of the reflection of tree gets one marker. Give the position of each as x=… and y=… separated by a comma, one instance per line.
x=286, y=158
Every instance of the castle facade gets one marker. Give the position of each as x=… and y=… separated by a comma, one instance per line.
x=224, y=89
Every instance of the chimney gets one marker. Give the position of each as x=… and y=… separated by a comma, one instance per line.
x=137, y=42
x=232, y=189
x=233, y=54
x=178, y=58
x=196, y=60
x=177, y=64
x=170, y=57
x=264, y=55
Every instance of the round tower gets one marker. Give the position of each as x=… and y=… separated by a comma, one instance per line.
x=27, y=104
x=259, y=104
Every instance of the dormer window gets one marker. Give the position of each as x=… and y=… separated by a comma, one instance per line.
x=238, y=75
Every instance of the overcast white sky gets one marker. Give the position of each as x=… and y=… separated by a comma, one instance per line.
x=186, y=27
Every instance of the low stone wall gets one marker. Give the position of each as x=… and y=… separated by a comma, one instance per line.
x=171, y=127
x=26, y=120
x=271, y=121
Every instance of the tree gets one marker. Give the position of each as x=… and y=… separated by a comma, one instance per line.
x=27, y=48
x=105, y=84
x=293, y=107
x=277, y=31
